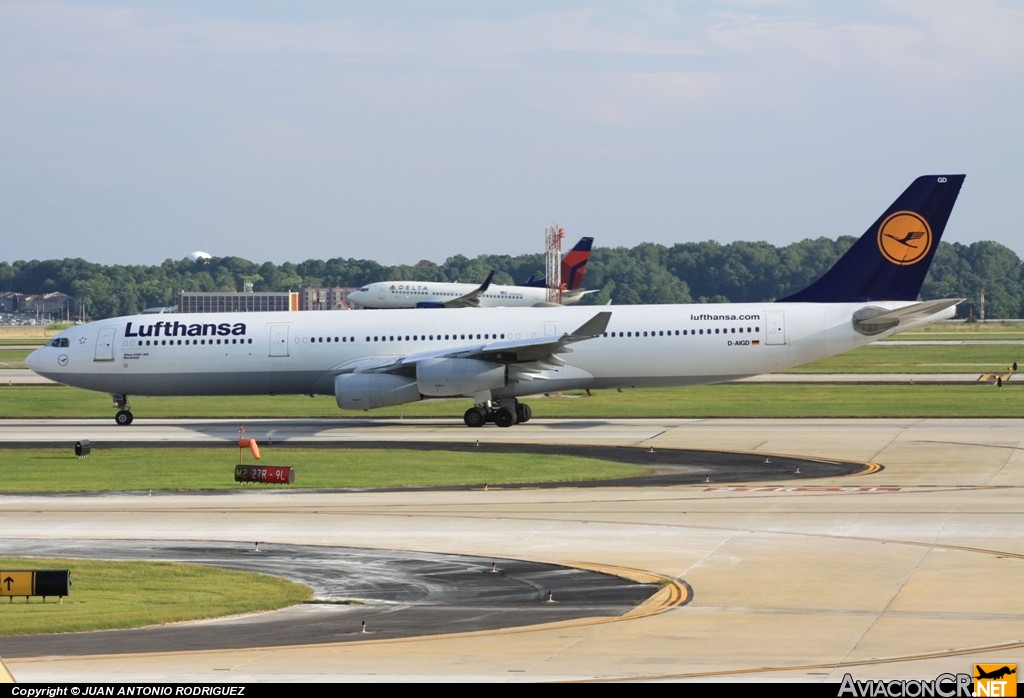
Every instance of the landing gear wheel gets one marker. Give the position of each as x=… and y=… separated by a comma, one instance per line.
x=474, y=417
x=124, y=417
x=523, y=413
x=504, y=418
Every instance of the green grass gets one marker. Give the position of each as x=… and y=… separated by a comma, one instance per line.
x=108, y=594
x=48, y=470
x=994, y=333
x=22, y=341
x=726, y=400
x=891, y=358
x=958, y=329
x=804, y=400
x=13, y=358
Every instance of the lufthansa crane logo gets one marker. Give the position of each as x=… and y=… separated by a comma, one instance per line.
x=904, y=238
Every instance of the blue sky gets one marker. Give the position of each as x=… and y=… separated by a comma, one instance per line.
x=134, y=132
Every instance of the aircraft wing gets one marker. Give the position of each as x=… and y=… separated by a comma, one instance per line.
x=471, y=299
x=506, y=351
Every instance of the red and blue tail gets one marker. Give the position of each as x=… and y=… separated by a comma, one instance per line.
x=890, y=260
x=574, y=264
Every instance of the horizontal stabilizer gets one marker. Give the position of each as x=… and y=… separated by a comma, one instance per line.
x=870, y=321
x=579, y=293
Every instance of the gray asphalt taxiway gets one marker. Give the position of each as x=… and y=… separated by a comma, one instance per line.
x=907, y=569
x=358, y=594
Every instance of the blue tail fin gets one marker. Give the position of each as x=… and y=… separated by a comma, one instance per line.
x=890, y=260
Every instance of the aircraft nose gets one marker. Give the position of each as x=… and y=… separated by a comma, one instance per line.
x=34, y=360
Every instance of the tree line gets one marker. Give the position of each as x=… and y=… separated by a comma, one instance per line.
x=694, y=272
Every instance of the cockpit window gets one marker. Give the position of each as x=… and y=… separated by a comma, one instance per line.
x=60, y=342
x=365, y=288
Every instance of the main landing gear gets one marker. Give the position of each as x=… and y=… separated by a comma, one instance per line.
x=504, y=413
x=124, y=416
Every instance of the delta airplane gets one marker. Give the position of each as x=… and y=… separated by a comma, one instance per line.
x=372, y=358
x=435, y=294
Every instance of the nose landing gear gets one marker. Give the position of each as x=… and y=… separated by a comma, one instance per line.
x=124, y=415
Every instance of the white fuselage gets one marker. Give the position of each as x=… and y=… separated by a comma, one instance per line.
x=407, y=294
x=303, y=352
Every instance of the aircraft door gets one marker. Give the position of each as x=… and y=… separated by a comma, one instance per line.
x=105, y=344
x=279, y=340
x=775, y=325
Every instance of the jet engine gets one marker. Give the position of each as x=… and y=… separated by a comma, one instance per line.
x=447, y=377
x=364, y=391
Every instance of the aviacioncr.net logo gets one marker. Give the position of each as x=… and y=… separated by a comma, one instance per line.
x=904, y=238
x=992, y=680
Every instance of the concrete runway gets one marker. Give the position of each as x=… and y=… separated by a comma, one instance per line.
x=908, y=572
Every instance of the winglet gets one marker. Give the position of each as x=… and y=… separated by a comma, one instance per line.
x=591, y=328
x=891, y=259
x=471, y=299
x=487, y=282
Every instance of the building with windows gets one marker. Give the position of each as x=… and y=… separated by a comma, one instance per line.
x=324, y=298
x=251, y=302
x=54, y=304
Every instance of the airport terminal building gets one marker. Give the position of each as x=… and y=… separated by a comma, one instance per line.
x=252, y=302
x=306, y=298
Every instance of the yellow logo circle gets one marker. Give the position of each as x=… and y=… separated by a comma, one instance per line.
x=904, y=238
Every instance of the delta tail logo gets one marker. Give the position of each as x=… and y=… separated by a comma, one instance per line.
x=904, y=238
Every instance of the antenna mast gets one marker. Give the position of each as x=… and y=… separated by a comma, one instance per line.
x=553, y=262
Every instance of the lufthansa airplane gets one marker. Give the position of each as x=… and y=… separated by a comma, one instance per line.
x=436, y=294
x=494, y=356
